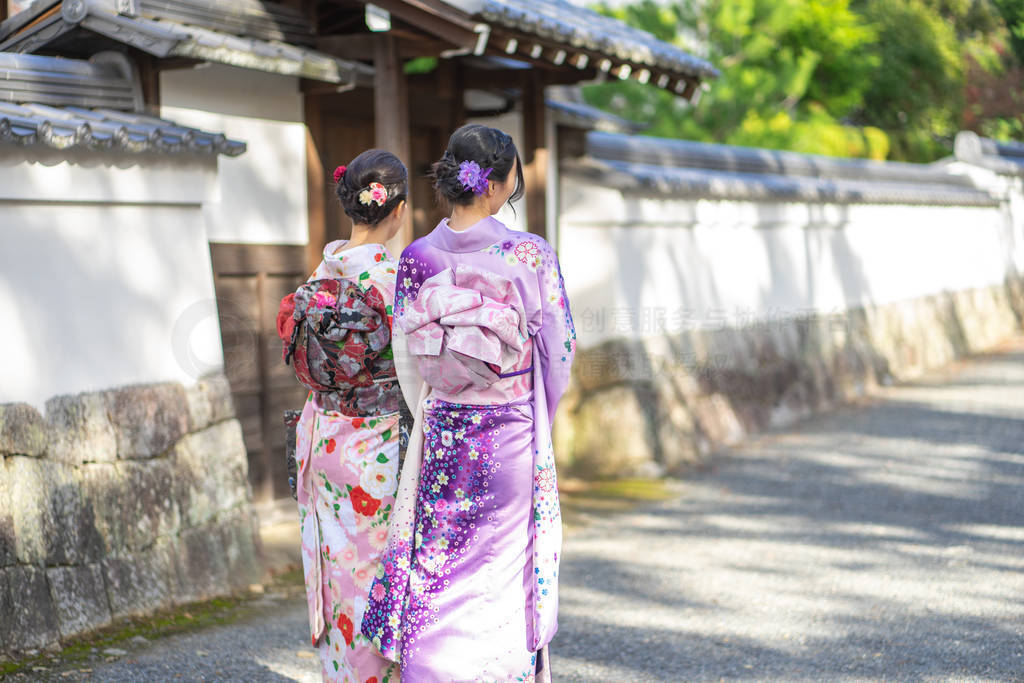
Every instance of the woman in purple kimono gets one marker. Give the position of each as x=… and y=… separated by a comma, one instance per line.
x=467, y=590
x=337, y=334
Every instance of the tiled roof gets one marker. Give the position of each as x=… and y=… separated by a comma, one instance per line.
x=682, y=168
x=569, y=112
x=247, y=33
x=70, y=103
x=1006, y=158
x=564, y=23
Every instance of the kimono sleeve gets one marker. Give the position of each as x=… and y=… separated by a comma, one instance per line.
x=556, y=339
x=408, y=282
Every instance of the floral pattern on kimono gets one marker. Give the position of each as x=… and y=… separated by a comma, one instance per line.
x=450, y=463
x=347, y=477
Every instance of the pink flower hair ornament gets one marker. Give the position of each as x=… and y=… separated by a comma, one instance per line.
x=374, y=194
x=339, y=173
x=473, y=177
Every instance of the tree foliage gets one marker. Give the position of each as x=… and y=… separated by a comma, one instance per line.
x=869, y=78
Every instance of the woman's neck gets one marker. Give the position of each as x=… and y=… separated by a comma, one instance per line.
x=465, y=217
x=361, y=234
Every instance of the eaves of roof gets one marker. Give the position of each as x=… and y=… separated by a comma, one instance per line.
x=686, y=169
x=1004, y=158
x=160, y=29
x=578, y=36
x=101, y=130
x=93, y=105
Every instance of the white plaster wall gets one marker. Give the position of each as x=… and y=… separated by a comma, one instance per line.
x=261, y=195
x=645, y=266
x=105, y=275
x=1010, y=191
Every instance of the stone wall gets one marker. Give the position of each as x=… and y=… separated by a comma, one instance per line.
x=660, y=405
x=118, y=503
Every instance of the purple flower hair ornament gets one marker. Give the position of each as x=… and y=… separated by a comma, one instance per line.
x=473, y=177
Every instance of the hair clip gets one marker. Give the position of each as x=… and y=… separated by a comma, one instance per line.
x=375, y=193
x=472, y=177
x=339, y=173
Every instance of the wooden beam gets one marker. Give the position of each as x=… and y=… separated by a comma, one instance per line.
x=149, y=80
x=490, y=79
x=358, y=46
x=436, y=18
x=316, y=182
x=391, y=116
x=535, y=153
x=3, y=10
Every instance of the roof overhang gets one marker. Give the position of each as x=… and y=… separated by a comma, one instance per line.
x=1004, y=158
x=555, y=33
x=245, y=34
x=92, y=105
x=682, y=169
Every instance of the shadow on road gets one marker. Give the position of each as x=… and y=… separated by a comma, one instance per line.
x=882, y=541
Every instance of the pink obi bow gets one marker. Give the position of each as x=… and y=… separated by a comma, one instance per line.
x=465, y=328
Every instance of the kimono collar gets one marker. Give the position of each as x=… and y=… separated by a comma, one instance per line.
x=480, y=235
x=352, y=262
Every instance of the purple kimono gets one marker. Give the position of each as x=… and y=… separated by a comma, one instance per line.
x=467, y=589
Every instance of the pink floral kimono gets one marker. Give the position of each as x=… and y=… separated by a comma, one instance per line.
x=468, y=588
x=346, y=452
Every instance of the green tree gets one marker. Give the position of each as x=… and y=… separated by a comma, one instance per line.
x=916, y=92
x=790, y=70
x=1012, y=12
x=873, y=78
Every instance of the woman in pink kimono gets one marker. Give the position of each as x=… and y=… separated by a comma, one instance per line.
x=337, y=334
x=467, y=590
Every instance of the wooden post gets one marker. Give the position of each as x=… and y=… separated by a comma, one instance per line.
x=149, y=77
x=450, y=88
x=391, y=118
x=534, y=152
x=316, y=183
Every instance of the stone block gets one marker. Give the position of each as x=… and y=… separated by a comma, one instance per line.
x=679, y=445
x=563, y=433
x=149, y=506
x=141, y=582
x=209, y=402
x=79, y=598
x=613, y=435
x=148, y=419
x=80, y=430
x=243, y=553
x=27, y=616
x=611, y=363
x=1015, y=297
x=22, y=430
x=8, y=552
x=104, y=487
x=202, y=564
x=54, y=523
x=211, y=472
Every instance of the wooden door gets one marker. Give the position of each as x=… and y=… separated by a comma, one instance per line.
x=250, y=280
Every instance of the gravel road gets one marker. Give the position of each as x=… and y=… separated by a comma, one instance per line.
x=881, y=541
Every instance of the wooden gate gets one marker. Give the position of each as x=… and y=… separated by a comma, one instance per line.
x=250, y=280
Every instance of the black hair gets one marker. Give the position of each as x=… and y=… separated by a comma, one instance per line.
x=488, y=147
x=372, y=166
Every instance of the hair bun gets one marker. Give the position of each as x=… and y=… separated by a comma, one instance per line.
x=488, y=148
x=371, y=168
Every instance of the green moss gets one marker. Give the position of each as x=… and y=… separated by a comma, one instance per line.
x=584, y=500
x=77, y=652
